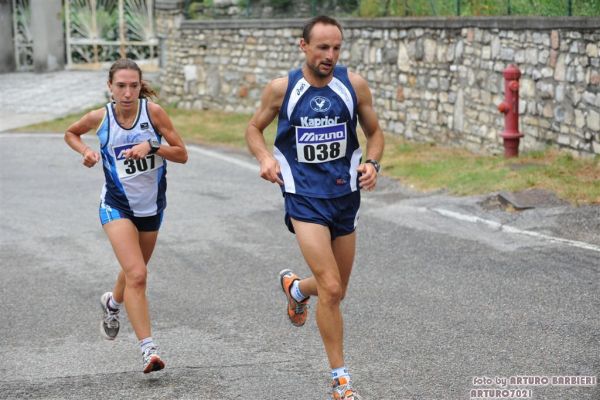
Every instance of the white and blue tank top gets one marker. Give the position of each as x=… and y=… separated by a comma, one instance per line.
x=136, y=187
x=316, y=144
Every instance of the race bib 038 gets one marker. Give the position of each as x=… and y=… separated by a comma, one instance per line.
x=321, y=144
x=127, y=168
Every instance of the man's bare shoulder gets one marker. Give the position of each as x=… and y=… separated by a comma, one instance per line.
x=357, y=81
x=275, y=92
x=278, y=86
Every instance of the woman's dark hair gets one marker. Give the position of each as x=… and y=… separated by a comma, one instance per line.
x=126, y=63
x=321, y=19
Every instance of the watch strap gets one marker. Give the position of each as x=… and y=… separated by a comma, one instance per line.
x=375, y=163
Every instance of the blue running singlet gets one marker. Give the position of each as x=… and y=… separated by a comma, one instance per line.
x=316, y=143
x=135, y=187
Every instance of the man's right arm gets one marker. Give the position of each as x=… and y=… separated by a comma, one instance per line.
x=271, y=100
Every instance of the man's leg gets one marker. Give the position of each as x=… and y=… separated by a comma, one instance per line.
x=344, y=248
x=316, y=246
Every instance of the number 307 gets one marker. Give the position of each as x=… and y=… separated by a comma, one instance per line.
x=140, y=165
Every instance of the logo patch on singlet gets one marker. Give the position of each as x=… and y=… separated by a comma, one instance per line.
x=144, y=125
x=320, y=104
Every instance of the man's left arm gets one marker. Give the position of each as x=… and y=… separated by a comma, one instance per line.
x=370, y=126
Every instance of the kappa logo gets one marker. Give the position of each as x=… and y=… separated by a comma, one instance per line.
x=320, y=104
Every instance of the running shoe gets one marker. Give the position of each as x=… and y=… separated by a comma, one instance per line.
x=342, y=390
x=109, y=326
x=297, y=311
x=152, y=361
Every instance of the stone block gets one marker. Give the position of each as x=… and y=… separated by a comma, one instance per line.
x=593, y=120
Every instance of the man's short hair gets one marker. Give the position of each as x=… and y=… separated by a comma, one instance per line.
x=321, y=19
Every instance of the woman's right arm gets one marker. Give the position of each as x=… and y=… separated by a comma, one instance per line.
x=73, y=136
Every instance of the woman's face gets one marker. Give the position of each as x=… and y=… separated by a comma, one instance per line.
x=125, y=88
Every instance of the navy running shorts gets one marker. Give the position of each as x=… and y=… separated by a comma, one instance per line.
x=143, y=224
x=340, y=214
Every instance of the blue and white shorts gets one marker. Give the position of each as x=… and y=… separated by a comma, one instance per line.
x=143, y=224
x=340, y=214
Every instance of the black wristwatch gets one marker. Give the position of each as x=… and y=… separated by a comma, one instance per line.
x=154, y=146
x=375, y=164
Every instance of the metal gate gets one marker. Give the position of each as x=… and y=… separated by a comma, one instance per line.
x=23, y=39
x=99, y=31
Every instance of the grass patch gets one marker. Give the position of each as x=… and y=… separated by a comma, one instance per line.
x=421, y=165
x=431, y=167
x=214, y=127
x=58, y=125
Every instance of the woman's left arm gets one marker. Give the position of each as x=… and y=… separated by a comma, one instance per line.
x=175, y=151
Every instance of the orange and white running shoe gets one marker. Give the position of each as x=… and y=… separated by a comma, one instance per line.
x=342, y=390
x=297, y=311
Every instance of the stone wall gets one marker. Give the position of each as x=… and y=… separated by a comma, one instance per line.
x=435, y=80
x=7, y=45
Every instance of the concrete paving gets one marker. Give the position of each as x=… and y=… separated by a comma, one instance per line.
x=447, y=291
x=27, y=98
x=437, y=305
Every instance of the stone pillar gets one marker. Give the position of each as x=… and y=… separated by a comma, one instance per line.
x=48, y=35
x=169, y=14
x=7, y=45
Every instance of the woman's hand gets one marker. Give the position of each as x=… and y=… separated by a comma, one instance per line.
x=90, y=157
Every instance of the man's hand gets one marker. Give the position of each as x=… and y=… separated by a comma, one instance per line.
x=368, y=178
x=270, y=171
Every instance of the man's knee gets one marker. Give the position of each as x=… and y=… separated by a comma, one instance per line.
x=331, y=292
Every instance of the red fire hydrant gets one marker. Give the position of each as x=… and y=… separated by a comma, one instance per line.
x=510, y=108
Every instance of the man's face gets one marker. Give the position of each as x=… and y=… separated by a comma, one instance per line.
x=323, y=49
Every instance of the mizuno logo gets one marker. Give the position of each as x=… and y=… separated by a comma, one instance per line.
x=308, y=137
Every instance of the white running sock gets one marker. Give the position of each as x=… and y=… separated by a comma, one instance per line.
x=113, y=305
x=146, y=343
x=296, y=293
x=339, y=373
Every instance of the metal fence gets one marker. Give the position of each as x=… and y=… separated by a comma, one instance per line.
x=104, y=30
x=22, y=36
x=389, y=8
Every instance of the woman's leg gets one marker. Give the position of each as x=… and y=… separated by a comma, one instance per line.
x=131, y=249
x=147, y=242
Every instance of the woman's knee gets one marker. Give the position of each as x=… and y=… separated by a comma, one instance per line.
x=136, y=277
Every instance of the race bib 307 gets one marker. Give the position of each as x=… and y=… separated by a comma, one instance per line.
x=127, y=168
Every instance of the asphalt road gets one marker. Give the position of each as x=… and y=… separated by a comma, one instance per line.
x=434, y=302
